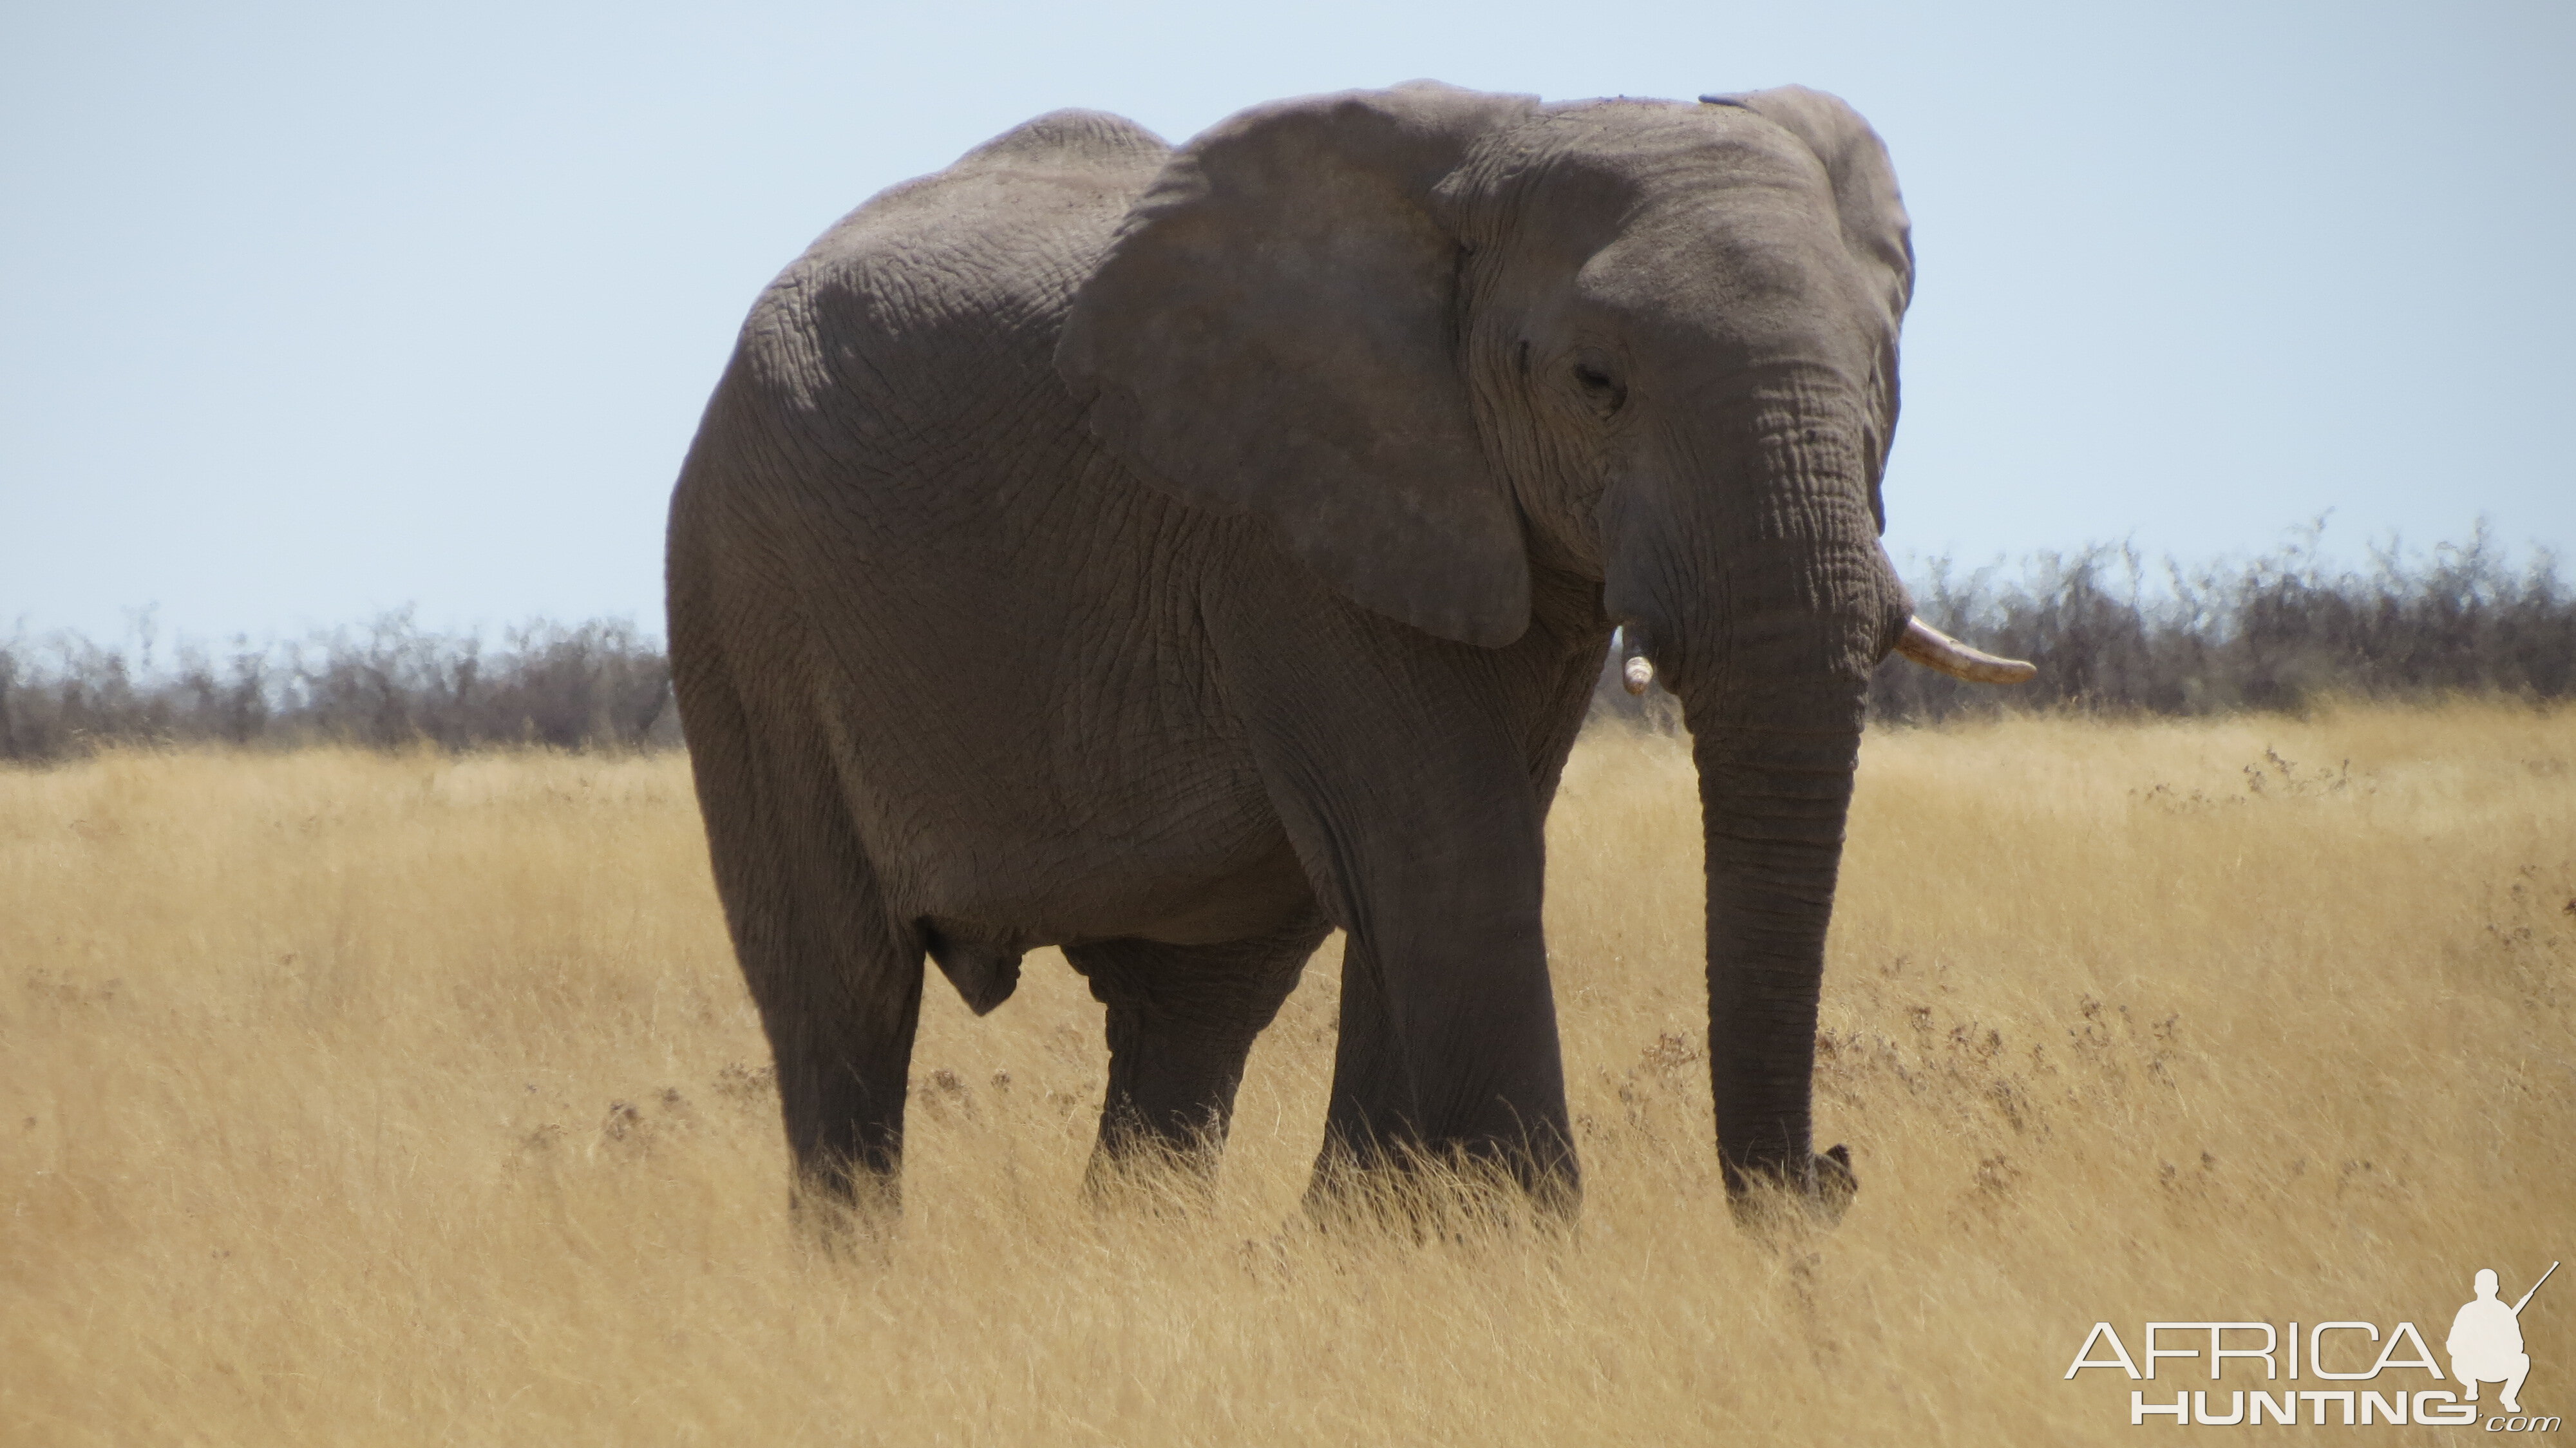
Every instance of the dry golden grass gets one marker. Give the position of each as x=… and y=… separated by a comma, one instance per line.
x=380, y=1100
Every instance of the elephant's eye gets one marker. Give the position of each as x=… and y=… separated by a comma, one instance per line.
x=1600, y=386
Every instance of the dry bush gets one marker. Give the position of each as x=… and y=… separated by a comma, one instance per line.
x=2276, y=631
x=390, y=684
x=363, y=1097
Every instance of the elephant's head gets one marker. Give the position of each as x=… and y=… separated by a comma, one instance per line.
x=1438, y=339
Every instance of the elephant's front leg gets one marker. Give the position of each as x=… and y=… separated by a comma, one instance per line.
x=1182, y=1019
x=1449, y=1047
x=1391, y=761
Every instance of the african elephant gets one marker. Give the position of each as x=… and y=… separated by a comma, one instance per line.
x=1173, y=554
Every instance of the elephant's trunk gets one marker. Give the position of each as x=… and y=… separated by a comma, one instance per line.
x=1755, y=588
x=1773, y=691
x=1776, y=740
x=1772, y=802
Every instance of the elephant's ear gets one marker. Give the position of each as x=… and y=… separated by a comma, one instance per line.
x=1273, y=333
x=1875, y=229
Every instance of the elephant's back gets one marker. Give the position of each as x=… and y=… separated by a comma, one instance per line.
x=939, y=291
x=891, y=431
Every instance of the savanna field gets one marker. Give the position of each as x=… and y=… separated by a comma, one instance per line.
x=352, y=1097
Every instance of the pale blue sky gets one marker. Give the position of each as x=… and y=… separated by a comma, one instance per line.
x=311, y=311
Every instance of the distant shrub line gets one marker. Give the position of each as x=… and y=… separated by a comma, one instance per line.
x=392, y=684
x=2109, y=633
x=2113, y=634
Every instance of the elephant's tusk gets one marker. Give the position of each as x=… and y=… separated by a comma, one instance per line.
x=1636, y=671
x=1941, y=653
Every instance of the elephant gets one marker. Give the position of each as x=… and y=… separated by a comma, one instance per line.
x=1173, y=555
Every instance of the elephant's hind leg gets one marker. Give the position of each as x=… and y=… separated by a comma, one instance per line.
x=837, y=982
x=1182, y=1019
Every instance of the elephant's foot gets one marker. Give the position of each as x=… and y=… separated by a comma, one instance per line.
x=1156, y=1162
x=1455, y=1190
x=1137, y=1169
x=848, y=1213
x=1378, y=1199
x=1762, y=1196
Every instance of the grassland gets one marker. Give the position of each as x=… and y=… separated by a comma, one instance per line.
x=352, y=1098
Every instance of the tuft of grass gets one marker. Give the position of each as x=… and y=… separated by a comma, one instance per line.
x=363, y=1096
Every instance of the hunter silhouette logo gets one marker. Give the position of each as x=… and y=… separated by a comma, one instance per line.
x=2485, y=1346
x=2486, y=1341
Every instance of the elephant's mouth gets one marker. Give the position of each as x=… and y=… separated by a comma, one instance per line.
x=1922, y=643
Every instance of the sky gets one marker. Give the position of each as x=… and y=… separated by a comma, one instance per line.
x=310, y=312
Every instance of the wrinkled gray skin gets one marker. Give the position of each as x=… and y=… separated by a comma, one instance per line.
x=1174, y=554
